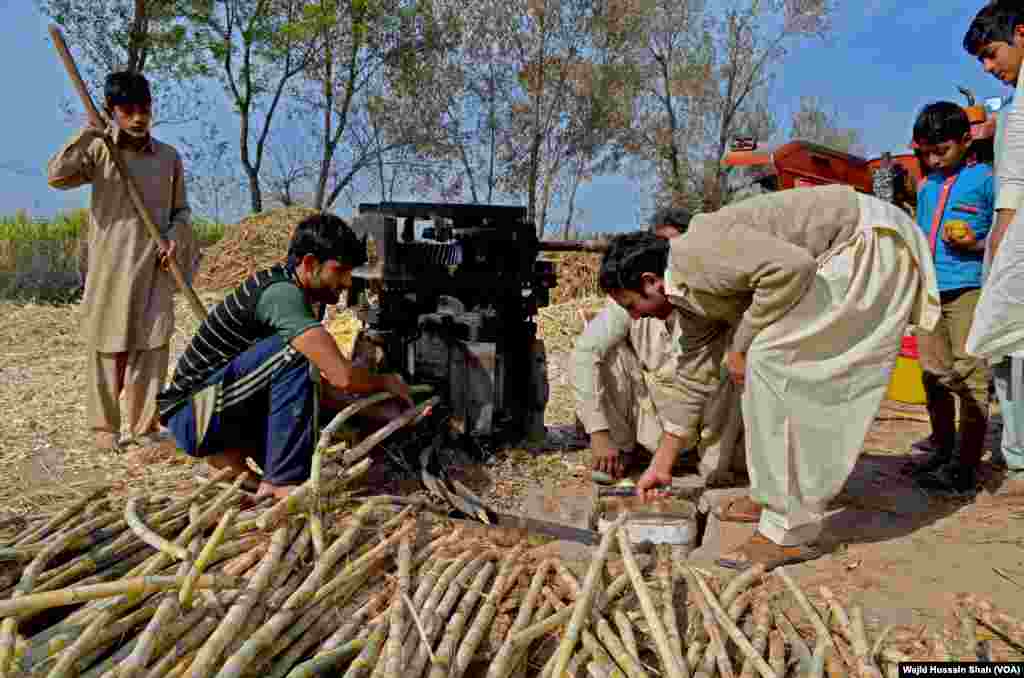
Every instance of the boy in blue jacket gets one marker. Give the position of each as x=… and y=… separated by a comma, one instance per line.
x=954, y=209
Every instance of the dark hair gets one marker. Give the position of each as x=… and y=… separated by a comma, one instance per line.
x=629, y=256
x=326, y=236
x=994, y=23
x=939, y=122
x=672, y=216
x=126, y=87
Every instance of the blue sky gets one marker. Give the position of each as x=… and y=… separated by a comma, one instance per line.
x=884, y=60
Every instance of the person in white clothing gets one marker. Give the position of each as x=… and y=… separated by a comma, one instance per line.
x=615, y=362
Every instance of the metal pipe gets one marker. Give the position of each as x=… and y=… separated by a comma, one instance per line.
x=573, y=246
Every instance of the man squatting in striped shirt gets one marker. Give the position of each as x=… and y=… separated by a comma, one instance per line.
x=243, y=386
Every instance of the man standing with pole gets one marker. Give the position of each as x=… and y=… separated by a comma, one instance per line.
x=128, y=310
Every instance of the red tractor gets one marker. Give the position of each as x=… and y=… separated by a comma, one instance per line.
x=891, y=177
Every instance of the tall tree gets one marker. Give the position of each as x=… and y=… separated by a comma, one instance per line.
x=146, y=36
x=255, y=48
x=813, y=122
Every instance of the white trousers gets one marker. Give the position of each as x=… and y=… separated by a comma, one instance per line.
x=816, y=378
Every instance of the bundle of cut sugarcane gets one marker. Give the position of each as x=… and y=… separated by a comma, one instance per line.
x=192, y=586
x=219, y=584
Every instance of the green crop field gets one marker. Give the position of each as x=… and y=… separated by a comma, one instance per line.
x=69, y=226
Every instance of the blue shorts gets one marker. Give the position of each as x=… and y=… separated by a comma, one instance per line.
x=261, y=404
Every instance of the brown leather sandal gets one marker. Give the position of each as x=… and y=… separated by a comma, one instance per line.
x=741, y=510
x=761, y=549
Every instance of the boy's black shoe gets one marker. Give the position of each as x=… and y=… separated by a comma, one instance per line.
x=932, y=463
x=953, y=477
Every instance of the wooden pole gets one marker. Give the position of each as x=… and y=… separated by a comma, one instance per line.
x=133, y=191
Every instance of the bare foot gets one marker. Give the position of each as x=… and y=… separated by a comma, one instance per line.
x=276, y=491
x=105, y=440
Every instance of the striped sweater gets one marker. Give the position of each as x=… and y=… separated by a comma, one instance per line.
x=229, y=330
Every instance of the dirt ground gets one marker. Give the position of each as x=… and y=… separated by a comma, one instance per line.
x=898, y=551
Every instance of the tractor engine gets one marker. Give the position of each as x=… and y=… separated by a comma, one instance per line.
x=448, y=298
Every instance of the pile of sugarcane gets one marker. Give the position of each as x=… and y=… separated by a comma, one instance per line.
x=323, y=582
x=217, y=583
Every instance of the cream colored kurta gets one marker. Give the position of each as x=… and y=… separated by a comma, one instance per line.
x=821, y=284
x=128, y=303
x=618, y=369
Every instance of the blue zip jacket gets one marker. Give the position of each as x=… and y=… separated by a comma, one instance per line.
x=972, y=199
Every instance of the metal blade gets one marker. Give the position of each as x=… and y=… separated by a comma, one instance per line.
x=549, y=529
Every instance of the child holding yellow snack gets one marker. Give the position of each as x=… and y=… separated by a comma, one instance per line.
x=954, y=209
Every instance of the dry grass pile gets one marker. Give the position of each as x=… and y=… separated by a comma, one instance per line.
x=252, y=244
x=216, y=583
x=577, y=275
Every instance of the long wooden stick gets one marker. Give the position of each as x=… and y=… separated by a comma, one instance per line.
x=115, y=155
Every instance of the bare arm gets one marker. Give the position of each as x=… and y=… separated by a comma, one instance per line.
x=319, y=346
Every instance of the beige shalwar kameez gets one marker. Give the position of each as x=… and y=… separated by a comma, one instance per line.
x=618, y=369
x=127, y=310
x=820, y=285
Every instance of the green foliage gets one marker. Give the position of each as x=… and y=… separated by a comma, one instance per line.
x=64, y=226
x=70, y=225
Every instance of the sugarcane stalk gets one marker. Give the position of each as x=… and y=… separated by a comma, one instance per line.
x=393, y=648
x=322, y=663
x=115, y=633
x=501, y=665
x=257, y=642
x=442, y=612
x=668, y=598
x=410, y=417
x=307, y=640
x=696, y=652
x=134, y=663
x=799, y=650
x=968, y=637
x=762, y=626
x=577, y=662
x=423, y=554
x=599, y=655
x=143, y=532
x=714, y=654
x=582, y=608
x=367, y=658
x=138, y=586
x=449, y=644
x=53, y=523
x=740, y=602
x=1005, y=625
x=363, y=562
x=302, y=628
x=741, y=583
x=508, y=573
x=820, y=629
x=861, y=649
x=730, y=627
x=595, y=670
x=70, y=656
x=9, y=627
x=185, y=595
x=187, y=645
x=629, y=663
x=625, y=629
x=674, y=666
x=777, y=652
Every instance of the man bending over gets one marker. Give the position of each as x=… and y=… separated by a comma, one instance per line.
x=805, y=294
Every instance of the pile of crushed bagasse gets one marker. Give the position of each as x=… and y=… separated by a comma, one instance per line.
x=217, y=582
